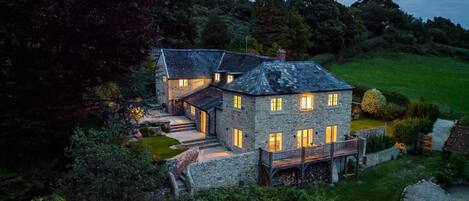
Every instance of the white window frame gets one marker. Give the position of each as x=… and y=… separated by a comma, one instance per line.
x=229, y=78
x=183, y=82
x=217, y=77
x=276, y=104
x=306, y=102
x=332, y=99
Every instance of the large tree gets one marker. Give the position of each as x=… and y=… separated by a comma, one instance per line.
x=300, y=36
x=52, y=53
x=271, y=23
x=215, y=34
x=174, y=19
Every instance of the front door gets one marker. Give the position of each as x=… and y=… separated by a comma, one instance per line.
x=203, y=122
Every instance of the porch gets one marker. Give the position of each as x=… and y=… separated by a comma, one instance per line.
x=299, y=160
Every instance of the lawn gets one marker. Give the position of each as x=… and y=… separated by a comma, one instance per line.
x=386, y=181
x=444, y=81
x=159, y=147
x=367, y=123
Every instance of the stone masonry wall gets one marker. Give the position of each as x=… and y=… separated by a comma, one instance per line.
x=230, y=118
x=373, y=159
x=235, y=170
x=378, y=131
x=161, y=86
x=291, y=119
x=176, y=92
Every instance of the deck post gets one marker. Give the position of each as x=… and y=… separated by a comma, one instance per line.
x=332, y=161
x=270, y=168
x=357, y=162
x=302, y=168
x=260, y=167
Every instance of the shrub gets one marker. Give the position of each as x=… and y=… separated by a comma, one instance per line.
x=454, y=170
x=392, y=111
x=464, y=121
x=378, y=143
x=373, y=102
x=393, y=97
x=420, y=109
x=146, y=131
x=406, y=131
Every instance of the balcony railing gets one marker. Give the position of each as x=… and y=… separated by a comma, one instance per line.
x=309, y=154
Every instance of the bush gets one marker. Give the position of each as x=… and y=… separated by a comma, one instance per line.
x=373, y=102
x=392, y=111
x=420, y=109
x=454, y=170
x=406, y=131
x=146, y=131
x=378, y=143
x=399, y=99
x=464, y=121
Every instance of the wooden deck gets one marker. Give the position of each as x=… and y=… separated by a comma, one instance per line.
x=307, y=155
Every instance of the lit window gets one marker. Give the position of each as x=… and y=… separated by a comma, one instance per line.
x=306, y=102
x=333, y=99
x=276, y=104
x=275, y=142
x=304, y=138
x=217, y=77
x=331, y=134
x=165, y=78
x=238, y=138
x=192, y=110
x=184, y=83
x=229, y=78
x=237, y=102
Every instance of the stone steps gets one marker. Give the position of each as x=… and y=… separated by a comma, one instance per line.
x=202, y=143
x=181, y=127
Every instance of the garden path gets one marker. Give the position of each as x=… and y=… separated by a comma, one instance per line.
x=441, y=130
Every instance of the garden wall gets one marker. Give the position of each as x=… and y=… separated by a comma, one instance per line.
x=377, y=131
x=236, y=170
x=373, y=159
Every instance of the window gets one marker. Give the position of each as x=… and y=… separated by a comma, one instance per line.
x=165, y=78
x=275, y=142
x=237, y=102
x=229, y=78
x=306, y=102
x=238, y=138
x=217, y=77
x=304, y=138
x=331, y=134
x=333, y=99
x=192, y=110
x=276, y=104
x=184, y=83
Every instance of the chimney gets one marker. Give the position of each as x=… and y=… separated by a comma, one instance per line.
x=281, y=55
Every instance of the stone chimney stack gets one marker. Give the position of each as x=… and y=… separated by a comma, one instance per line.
x=281, y=55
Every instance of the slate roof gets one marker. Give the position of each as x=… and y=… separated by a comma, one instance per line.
x=191, y=63
x=197, y=63
x=458, y=140
x=278, y=77
x=205, y=99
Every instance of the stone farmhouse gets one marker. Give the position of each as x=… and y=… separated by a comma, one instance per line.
x=284, y=109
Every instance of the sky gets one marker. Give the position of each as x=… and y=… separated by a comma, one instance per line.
x=456, y=10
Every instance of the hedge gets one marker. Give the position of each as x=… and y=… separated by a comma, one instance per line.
x=406, y=131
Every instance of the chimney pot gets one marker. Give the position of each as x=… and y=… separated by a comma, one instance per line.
x=281, y=55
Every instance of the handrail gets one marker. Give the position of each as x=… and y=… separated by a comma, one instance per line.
x=315, y=152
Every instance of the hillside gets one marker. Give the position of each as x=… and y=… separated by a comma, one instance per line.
x=442, y=80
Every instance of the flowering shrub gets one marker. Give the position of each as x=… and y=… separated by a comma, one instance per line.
x=373, y=102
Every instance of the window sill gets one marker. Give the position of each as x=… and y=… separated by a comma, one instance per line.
x=277, y=112
x=311, y=110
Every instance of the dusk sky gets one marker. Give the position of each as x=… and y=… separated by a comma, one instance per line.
x=456, y=10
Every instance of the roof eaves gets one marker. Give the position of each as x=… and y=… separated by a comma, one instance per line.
x=164, y=63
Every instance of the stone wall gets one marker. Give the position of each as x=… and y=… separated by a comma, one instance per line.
x=257, y=121
x=176, y=92
x=210, y=127
x=373, y=159
x=235, y=170
x=377, y=131
x=291, y=119
x=161, y=84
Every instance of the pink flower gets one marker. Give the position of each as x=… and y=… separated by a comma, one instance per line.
x=138, y=134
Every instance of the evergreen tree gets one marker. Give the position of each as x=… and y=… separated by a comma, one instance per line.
x=215, y=33
x=271, y=23
x=174, y=19
x=300, y=36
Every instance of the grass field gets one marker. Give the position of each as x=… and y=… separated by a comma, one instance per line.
x=444, y=81
x=367, y=123
x=159, y=147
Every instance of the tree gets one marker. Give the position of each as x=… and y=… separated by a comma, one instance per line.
x=174, y=19
x=215, y=34
x=271, y=23
x=104, y=169
x=300, y=36
x=373, y=102
x=52, y=53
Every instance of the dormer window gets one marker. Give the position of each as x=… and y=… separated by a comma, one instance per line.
x=217, y=77
x=229, y=78
x=184, y=83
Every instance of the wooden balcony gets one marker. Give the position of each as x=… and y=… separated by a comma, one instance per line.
x=300, y=159
x=293, y=158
